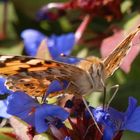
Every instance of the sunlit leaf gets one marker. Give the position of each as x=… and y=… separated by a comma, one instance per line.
x=42, y=137
x=43, y=51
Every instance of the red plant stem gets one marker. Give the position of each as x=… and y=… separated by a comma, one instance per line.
x=98, y=135
x=118, y=136
x=72, y=125
x=64, y=130
x=82, y=27
x=12, y=135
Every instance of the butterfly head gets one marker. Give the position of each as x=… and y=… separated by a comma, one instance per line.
x=97, y=74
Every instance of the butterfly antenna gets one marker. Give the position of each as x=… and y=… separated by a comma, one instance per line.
x=87, y=107
x=116, y=87
x=104, y=97
x=104, y=93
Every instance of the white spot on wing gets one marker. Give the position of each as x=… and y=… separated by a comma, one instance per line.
x=3, y=58
x=34, y=61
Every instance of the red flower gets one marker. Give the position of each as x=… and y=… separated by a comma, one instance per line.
x=106, y=8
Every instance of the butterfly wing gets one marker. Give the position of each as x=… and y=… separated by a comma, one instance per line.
x=113, y=61
x=33, y=75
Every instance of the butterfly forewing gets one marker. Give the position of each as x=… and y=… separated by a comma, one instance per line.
x=113, y=61
x=33, y=75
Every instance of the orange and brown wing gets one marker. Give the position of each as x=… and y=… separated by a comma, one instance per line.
x=113, y=61
x=33, y=75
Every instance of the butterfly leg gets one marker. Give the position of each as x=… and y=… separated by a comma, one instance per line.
x=68, y=86
x=91, y=115
x=67, y=89
x=116, y=87
x=104, y=93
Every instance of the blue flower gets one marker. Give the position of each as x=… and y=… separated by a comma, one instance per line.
x=49, y=114
x=3, y=103
x=115, y=121
x=32, y=39
x=56, y=44
x=131, y=116
x=38, y=115
x=61, y=44
x=55, y=86
x=3, y=88
x=3, y=109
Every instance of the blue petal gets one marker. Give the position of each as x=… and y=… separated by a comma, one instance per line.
x=32, y=39
x=21, y=105
x=3, y=109
x=132, y=118
x=61, y=44
x=98, y=114
x=45, y=111
x=68, y=59
x=108, y=118
x=108, y=133
x=116, y=116
x=3, y=88
x=45, y=15
x=56, y=86
x=133, y=122
x=131, y=106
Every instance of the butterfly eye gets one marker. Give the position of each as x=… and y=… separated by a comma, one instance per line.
x=98, y=72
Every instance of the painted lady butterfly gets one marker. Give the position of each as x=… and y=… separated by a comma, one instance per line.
x=33, y=75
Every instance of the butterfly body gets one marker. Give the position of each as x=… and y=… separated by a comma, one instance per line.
x=94, y=67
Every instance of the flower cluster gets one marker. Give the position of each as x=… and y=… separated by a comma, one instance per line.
x=104, y=8
x=45, y=116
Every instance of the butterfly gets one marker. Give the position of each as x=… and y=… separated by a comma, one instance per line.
x=34, y=75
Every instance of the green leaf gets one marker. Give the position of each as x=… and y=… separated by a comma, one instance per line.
x=5, y=137
x=11, y=48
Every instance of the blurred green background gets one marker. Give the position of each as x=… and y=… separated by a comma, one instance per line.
x=21, y=15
